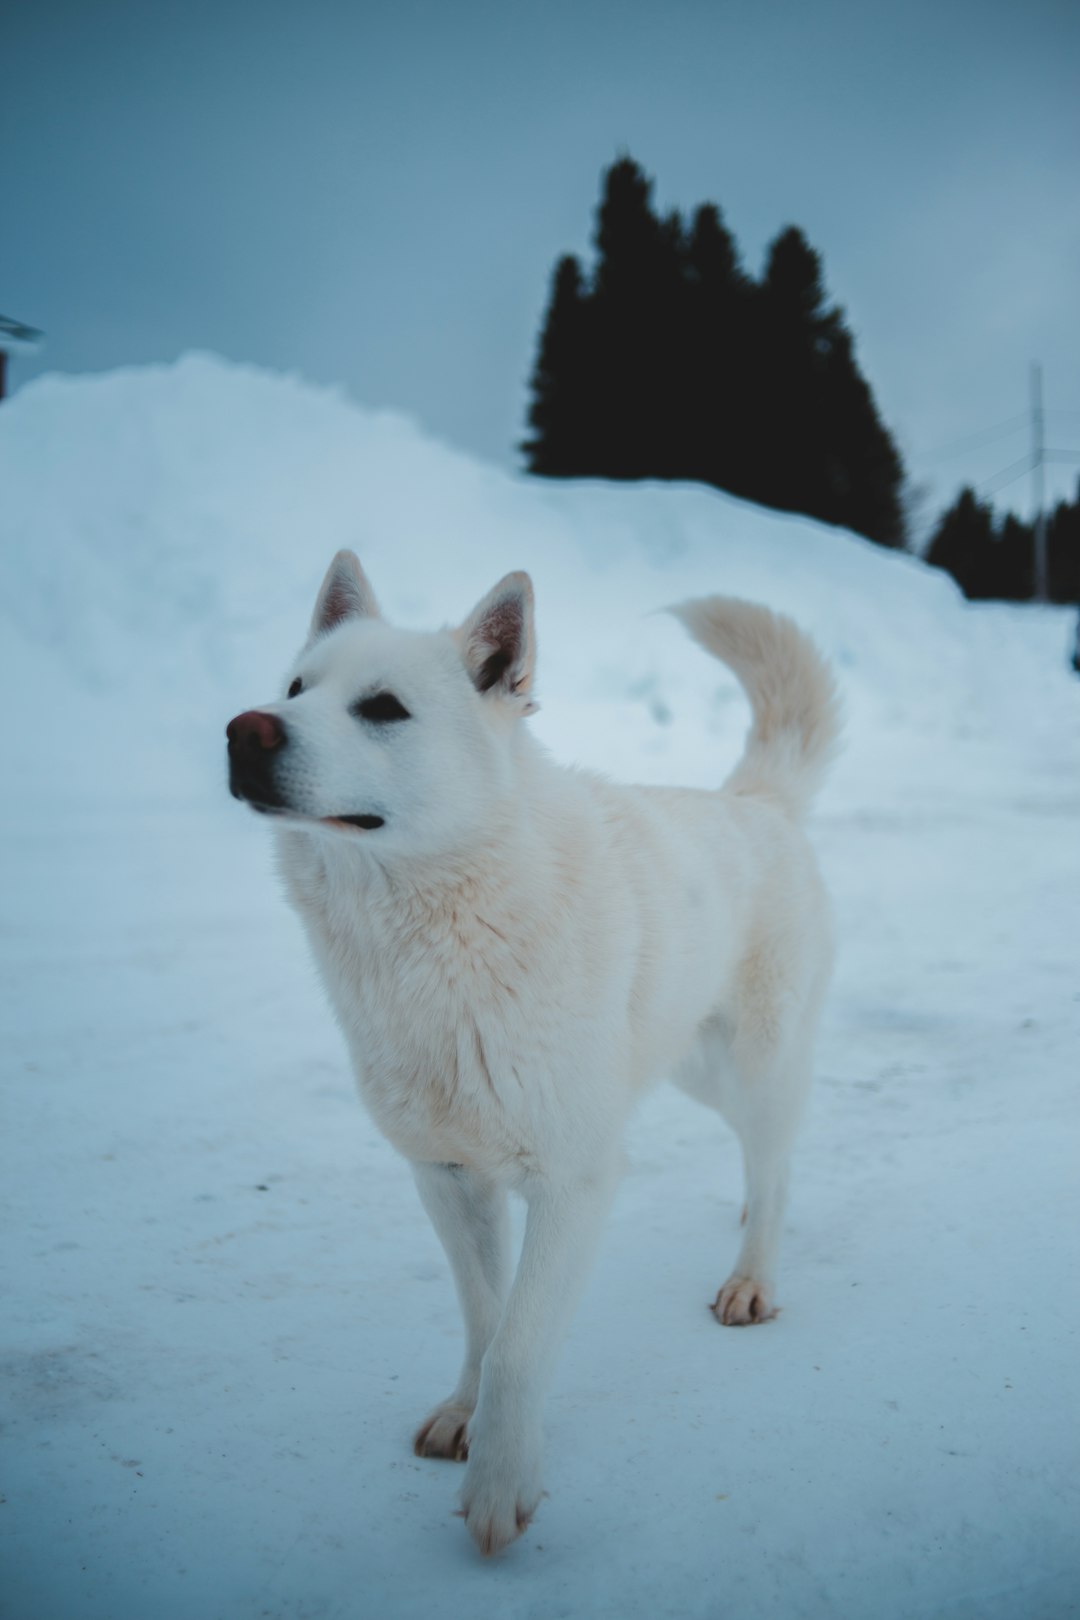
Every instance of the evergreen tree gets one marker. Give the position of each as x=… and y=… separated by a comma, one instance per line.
x=833, y=457
x=1063, y=550
x=962, y=538
x=863, y=470
x=997, y=563
x=1009, y=568
x=672, y=363
x=789, y=467
x=562, y=380
x=717, y=347
x=989, y=562
x=635, y=320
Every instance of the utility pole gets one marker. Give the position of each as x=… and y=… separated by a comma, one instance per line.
x=1042, y=593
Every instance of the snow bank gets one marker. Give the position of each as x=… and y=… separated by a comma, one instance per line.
x=165, y=530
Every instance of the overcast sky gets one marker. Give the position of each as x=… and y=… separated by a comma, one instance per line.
x=374, y=194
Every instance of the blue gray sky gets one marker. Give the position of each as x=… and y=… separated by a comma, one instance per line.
x=374, y=194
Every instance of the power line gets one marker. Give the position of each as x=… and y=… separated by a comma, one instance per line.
x=975, y=440
x=1007, y=475
x=991, y=435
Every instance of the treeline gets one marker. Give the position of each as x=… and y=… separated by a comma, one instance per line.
x=995, y=560
x=669, y=361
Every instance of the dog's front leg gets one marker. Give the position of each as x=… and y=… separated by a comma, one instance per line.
x=503, y=1480
x=468, y=1211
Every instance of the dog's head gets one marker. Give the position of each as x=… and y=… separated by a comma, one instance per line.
x=399, y=736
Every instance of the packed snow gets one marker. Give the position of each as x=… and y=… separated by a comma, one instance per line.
x=226, y=1310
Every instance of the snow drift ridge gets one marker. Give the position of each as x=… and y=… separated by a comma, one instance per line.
x=165, y=528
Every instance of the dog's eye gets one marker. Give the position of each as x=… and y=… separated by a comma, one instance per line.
x=382, y=708
x=296, y=688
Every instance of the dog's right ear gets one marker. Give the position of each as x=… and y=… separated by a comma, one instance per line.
x=345, y=594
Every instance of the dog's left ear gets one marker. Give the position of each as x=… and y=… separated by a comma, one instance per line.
x=498, y=642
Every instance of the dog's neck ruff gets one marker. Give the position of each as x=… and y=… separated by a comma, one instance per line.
x=380, y=885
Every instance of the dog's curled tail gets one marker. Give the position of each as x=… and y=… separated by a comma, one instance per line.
x=796, y=730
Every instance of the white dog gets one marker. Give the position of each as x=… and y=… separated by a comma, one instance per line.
x=515, y=950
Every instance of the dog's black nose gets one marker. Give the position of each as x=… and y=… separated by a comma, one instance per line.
x=254, y=732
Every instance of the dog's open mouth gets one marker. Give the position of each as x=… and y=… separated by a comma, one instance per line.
x=366, y=822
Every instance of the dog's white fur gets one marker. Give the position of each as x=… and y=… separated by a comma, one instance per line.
x=520, y=949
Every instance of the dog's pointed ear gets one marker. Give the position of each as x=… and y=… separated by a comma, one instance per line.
x=498, y=642
x=345, y=593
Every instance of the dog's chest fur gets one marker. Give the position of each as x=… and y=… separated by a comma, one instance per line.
x=429, y=991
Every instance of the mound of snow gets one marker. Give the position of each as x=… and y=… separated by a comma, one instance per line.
x=165, y=530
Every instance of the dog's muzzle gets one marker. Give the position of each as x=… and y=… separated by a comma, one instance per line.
x=255, y=738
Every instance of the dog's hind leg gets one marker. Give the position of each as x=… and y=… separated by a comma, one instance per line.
x=469, y=1213
x=765, y=1118
x=761, y=1095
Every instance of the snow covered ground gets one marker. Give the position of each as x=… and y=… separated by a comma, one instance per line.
x=225, y=1309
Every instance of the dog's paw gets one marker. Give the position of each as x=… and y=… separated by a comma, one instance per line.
x=497, y=1504
x=742, y=1302
x=444, y=1433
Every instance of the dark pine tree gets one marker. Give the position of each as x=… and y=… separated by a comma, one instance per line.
x=821, y=445
x=863, y=468
x=716, y=343
x=787, y=385
x=672, y=363
x=1009, y=569
x=988, y=562
x=1063, y=551
x=635, y=317
x=962, y=539
x=562, y=382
